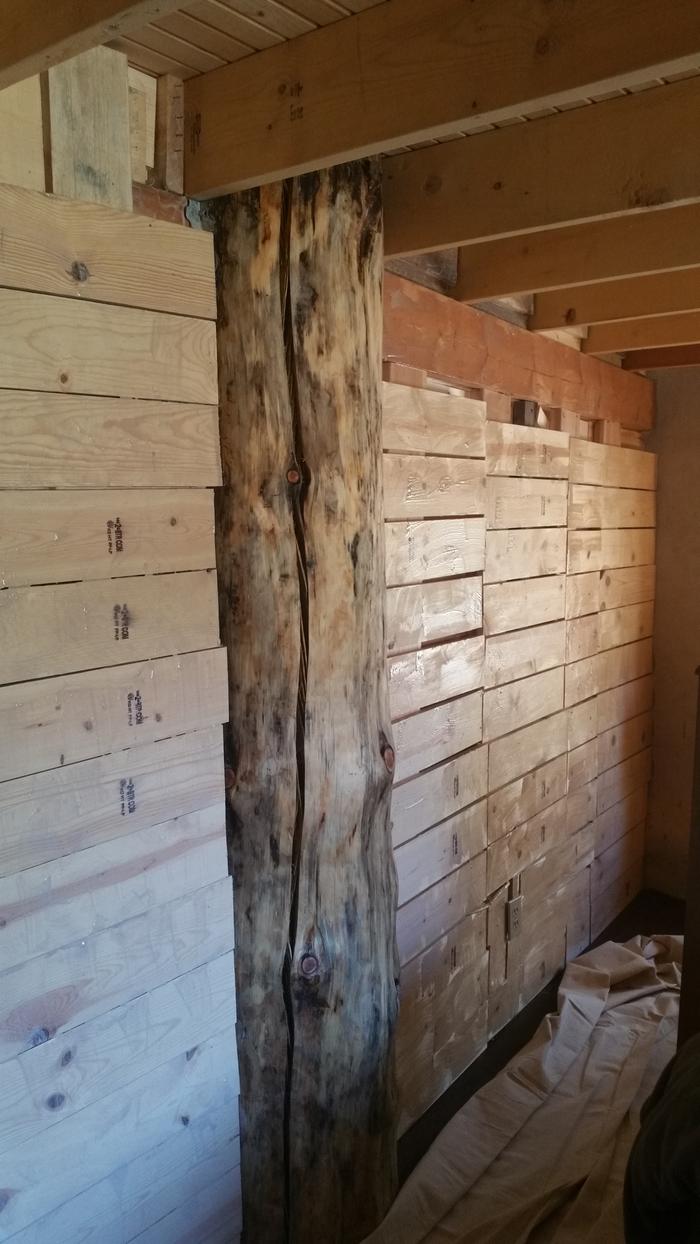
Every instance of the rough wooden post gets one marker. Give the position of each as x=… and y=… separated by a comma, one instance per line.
x=301, y=569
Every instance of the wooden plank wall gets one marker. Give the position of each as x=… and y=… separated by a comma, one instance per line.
x=117, y=1003
x=519, y=649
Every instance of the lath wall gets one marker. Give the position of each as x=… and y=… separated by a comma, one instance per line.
x=520, y=575
x=117, y=1006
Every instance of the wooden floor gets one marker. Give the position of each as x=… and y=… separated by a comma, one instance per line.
x=650, y=912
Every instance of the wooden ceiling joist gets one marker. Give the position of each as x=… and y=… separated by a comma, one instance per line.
x=671, y=356
x=36, y=35
x=657, y=330
x=664, y=293
x=576, y=255
x=463, y=346
x=406, y=71
x=610, y=159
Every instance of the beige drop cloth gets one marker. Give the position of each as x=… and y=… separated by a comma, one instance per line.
x=539, y=1153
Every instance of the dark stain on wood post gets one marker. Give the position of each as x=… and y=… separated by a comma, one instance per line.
x=301, y=573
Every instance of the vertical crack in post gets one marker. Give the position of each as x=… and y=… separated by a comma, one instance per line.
x=298, y=480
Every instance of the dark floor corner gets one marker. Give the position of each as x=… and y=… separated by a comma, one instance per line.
x=650, y=912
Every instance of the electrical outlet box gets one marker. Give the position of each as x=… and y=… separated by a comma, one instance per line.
x=514, y=917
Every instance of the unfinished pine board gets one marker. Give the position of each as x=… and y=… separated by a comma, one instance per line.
x=526, y=749
x=213, y=1215
x=607, y=550
x=583, y=722
x=436, y=733
x=62, y=440
x=21, y=125
x=624, y=740
x=425, y=860
x=525, y=554
x=620, y=665
x=422, y=421
x=56, y=537
x=616, y=860
x=437, y=794
x=56, y=629
x=518, y=654
x=581, y=806
x=515, y=450
x=626, y=625
x=581, y=680
x=112, y=1050
x=55, y=721
x=48, y=815
x=433, y=549
x=612, y=901
x=77, y=249
x=591, y=506
x=428, y=916
x=582, y=637
x=616, y=784
x=610, y=466
x=525, y=502
x=629, y=700
x=517, y=704
x=582, y=594
x=583, y=765
x=509, y=855
x=631, y=585
x=49, y=1169
x=60, y=345
x=523, y=602
x=424, y=612
x=526, y=797
x=431, y=487
x=434, y=674
x=620, y=819
x=55, y=903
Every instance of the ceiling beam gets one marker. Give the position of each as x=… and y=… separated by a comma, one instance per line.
x=665, y=293
x=672, y=356
x=600, y=250
x=657, y=330
x=36, y=35
x=406, y=71
x=608, y=159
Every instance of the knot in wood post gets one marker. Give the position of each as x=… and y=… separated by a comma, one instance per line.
x=309, y=966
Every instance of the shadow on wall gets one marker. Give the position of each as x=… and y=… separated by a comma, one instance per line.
x=676, y=440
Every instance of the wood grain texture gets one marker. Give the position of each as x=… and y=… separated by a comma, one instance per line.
x=619, y=782
x=591, y=506
x=519, y=703
x=533, y=452
x=526, y=797
x=437, y=794
x=58, y=345
x=433, y=549
x=526, y=749
x=429, y=487
x=22, y=150
x=582, y=593
x=420, y=922
x=433, y=674
x=53, y=440
x=97, y=800
x=523, y=554
x=423, y=612
x=624, y=739
x=464, y=346
x=517, y=654
x=626, y=625
x=78, y=249
x=523, y=602
x=423, y=421
x=620, y=819
x=614, y=468
x=630, y=585
x=54, y=537
x=512, y=502
x=425, y=860
x=53, y=721
x=628, y=700
x=434, y=734
x=610, y=549
x=56, y=629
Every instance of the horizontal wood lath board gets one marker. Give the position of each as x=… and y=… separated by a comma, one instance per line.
x=58, y=345
x=591, y=506
x=517, y=654
x=432, y=487
x=610, y=549
x=90, y=252
x=529, y=552
x=435, y=734
x=56, y=721
x=433, y=674
x=433, y=549
x=440, y=792
x=61, y=440
x=464, y=346
x=523, y=602
x=513, y=450
x=612, y=467
x=56, y=629
x=424, y=919
x=55, y=537
x=423, y=612
x=526, y=797
x=525, y=503
x=96, y=800
x=423, y=421
x=425, y=860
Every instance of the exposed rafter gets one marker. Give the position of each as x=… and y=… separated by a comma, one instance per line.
x=407, y=71
x=36, y=35
x=657, y=330
x=611, y=159
x=575, y=255
x=673, y=356
x=665, y=293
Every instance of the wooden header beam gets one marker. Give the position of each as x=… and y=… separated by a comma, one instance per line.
x=657, y=330
x=467, y=347
x=609, y=159
x=664, y=293
x=673, y=356
x=36, y=35
x=599, y=250
x=407, y=71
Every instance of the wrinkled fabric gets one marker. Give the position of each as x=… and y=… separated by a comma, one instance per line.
x=539, y=1154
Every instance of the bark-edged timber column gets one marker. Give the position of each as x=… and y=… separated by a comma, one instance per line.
x=301, y=571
